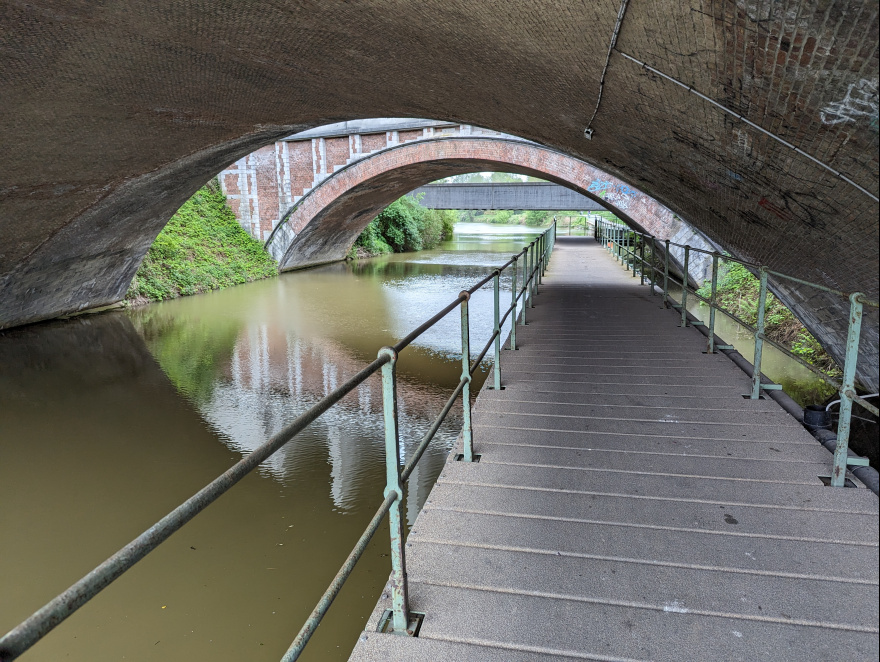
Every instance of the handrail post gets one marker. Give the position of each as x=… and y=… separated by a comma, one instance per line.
x=399, y=597
x=525, y=287
x=710, y=346
x=513, y=305
x=684, y=286
x=847, y=390
x=496, y=287
x=642, y=261
x=653, y=266
x=666, y=276
x=536, y=269
x=539, y=250
x=466, y=434
x=631, y=251
x=759, y=336
x=538, y=256
x=530, y=285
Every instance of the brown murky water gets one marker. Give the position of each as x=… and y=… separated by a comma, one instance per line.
x=110, y=421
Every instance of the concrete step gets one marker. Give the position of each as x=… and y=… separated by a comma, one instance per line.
x=662, y=588
x=505, y=403
x=782, y=496
x=376, y=647
x=519, y=391
x=662, y=381
x=520, y=380
x=751, y=520
x=621, y=632
x=625, y=443
x=748, y=555
x=681, y=428
x=592, y=461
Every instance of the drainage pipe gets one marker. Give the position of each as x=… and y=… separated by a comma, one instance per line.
x=867, y=474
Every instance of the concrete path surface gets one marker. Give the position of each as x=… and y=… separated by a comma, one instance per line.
x=629, y=504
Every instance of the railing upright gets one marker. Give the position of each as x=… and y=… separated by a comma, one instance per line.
x=847, y=390
x=759, y=336
x=710, y=343
x=525, y=287
x=400, y=618
x=653, y=266
x=684, y=286
x=666, y=275
x=496, y=291
x=539, y=249
x=466, y=436
x=631, y=251
x=530, y=283
x=642, y=261
x=513, y=297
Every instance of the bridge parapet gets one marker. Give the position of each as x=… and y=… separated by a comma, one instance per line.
x=262, y=186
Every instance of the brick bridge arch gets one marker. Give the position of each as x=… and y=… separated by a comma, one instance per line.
x=322, y=226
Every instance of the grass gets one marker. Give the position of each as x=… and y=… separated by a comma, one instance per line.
x=738, y=292
x=202, y=248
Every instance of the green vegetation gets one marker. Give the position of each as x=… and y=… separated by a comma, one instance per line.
x=738, y=292
x=404, y=226
x=192, y=352
x=202, y=248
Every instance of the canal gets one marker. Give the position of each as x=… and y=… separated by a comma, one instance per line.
x=109, y=421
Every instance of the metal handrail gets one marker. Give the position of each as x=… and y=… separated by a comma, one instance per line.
x=617, y=238
x=537, y=254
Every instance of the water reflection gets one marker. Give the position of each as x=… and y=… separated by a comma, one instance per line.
x=109, y=422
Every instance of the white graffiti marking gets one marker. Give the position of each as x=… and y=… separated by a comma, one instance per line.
x=860, y=101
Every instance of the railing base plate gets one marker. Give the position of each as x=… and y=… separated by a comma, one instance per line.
x=415, y=624
x=826, y=481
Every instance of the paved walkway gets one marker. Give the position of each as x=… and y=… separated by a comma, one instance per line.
x=631, y=505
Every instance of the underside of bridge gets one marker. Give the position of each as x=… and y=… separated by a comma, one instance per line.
x=754, y=121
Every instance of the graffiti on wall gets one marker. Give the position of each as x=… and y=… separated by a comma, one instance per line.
x=617, y=193
x=860, y=100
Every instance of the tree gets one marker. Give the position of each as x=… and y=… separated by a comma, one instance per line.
x=535, y=217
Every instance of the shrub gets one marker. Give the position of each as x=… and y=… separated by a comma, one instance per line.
x=404, y=226
x=201, y=248
x=738, y=291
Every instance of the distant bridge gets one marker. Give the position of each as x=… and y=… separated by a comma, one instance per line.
x=544, y=196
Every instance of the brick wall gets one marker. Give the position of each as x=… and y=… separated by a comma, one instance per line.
x=337, y=152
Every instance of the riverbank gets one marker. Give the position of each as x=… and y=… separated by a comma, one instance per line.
x=202, y=248
x=738, y=292
x=404, y=226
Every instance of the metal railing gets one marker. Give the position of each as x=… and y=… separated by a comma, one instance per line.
x=628, y=247
x=535, y=257
x=574, y=222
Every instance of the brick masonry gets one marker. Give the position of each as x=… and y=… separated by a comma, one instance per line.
x=112, y=118
x=280, y=175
